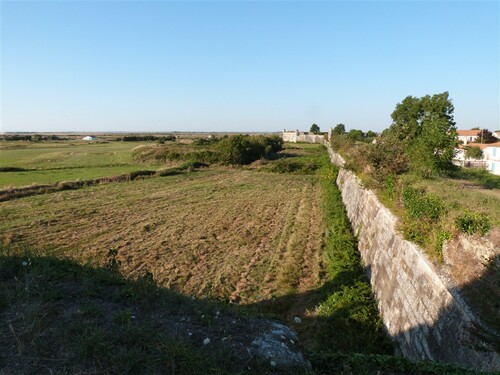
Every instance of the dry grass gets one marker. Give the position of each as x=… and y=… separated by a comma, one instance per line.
x=230, y=235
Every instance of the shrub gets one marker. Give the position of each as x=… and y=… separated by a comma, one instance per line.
x=294, y=166
x=390, y=186
x=205, y=141
x=341, y=142
x=441, y=237
x=420, y=205
x=416, y=231
x=284, y=166
x=203, y=157
x=243, y=149
x=473, y=222
x=386, y=158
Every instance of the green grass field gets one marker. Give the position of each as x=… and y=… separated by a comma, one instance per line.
x=51, y=162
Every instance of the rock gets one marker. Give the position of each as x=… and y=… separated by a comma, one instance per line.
x=277, y=345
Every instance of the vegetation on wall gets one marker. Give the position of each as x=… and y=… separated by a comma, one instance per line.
x=354, y=324
x=406, y=165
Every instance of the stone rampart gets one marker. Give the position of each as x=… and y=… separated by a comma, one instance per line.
x=297, y=137
x=310, y=138
x=421, y=309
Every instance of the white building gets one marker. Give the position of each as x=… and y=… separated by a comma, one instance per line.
x=467, y=136
x=89, y=138
x=492, y=157
x=490, y=160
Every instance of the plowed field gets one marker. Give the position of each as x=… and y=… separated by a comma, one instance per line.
x=235, y=235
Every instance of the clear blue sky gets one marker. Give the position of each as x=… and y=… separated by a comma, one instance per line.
x=242, y=66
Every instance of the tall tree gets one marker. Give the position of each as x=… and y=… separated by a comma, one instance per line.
x=486, y=136
x=314, y=129
x=356, y=135
x=472, y=152
x=339, y=129
x=371, y=134
x=426, y=128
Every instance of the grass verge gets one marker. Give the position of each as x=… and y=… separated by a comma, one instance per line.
x=353, y=322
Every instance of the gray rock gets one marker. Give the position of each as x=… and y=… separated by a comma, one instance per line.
x=278, y=346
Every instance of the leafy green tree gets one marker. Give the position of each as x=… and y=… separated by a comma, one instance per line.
x=371, y=134
x=339, y=129
x=486, y=136
x=426, y=128
x=244, y=149
x=356, y=135
x=314, y=129
x=472, y=152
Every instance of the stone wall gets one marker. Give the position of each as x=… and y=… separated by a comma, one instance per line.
x=290, y=135
x=295, y=136
x=421, y=308
x=310, y=138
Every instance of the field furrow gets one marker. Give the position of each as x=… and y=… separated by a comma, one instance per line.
x=234, y=235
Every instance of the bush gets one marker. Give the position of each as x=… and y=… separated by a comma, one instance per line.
x=417, y=231
x=243, y=149
x=387, y=158
x=441, y=237
x=204, y=141
x=420, y=205
x=340, y=143
x=294, y=166
x=473, y=222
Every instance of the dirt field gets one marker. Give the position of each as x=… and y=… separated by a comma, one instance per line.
x=235, y=235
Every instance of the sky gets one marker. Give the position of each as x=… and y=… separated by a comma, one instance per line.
x=160, y=66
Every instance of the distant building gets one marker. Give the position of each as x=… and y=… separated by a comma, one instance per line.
x=492, y=157
x=89, y=138
x=467, y=136
x=490, y=160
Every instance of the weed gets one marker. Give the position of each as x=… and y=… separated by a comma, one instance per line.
x=420, y=205
x=473, y=222
x=443, y=236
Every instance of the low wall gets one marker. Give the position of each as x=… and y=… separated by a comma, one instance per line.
x=295, y=137
x=421, y=309
x=310, y=138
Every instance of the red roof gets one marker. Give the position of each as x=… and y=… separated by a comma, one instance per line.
x=467, y=132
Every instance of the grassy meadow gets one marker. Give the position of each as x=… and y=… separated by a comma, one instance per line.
x=52, y=162
x=133, y=277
